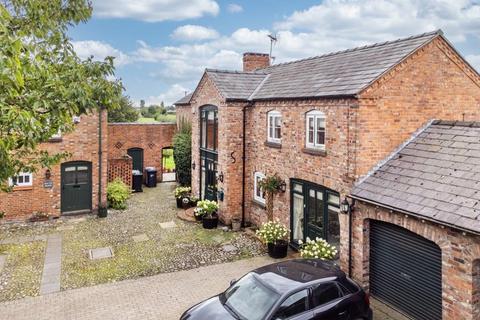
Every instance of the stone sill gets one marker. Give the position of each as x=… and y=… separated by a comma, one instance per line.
x=275, y=145
x=315, y=152
x=259, y=204
x=25, y=188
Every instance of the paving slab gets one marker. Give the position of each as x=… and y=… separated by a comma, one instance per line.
x=100, y=253
x=168, y=225
x=229, y=248
x=3, y=259
x=52, y=267
x=140, y=238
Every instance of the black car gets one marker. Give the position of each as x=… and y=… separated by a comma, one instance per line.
x=293, y=289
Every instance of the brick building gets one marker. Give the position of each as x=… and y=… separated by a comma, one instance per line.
x=74, y=185
x=182, y=110
x=322, y=124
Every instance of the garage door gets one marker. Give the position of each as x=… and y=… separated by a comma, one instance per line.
x=405, y=271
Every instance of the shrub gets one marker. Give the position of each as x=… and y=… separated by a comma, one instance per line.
x=2, y=214
x=117, y=194
x=318, y=249
x=272, y=231
x=182, y=155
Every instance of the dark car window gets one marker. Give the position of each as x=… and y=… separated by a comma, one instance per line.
x=293, y=305
x=325, y=293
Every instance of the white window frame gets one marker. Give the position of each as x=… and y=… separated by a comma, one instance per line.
x=271, y=116
x=316, y=116
x=258, y=176
x=21, y=184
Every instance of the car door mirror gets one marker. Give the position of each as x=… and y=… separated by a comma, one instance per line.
x=233, y=281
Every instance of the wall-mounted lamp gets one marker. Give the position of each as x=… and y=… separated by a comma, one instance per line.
x=283, y=187
x=48, y=174
x=193, y=165
x=345, y=206
x=220, y=177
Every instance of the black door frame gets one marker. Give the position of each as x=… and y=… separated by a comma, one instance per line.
x=208, y=154
x=141, y=153
x=90, y=177
x=306, y=186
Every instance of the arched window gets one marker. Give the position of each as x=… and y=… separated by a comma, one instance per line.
x=315, y=130
x=274, y=130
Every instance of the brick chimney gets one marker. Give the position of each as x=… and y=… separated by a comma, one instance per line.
x=253, y=61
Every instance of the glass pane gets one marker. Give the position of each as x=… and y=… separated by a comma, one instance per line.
x=312, y=207
x=26, y=179
x=216, y=131
x=297, y=217
x=333, y=234
x=69, y=177
x=334, y=199
x=82, y=168
x=82, y=177
x=211, y=130
x=20, y=179
x=278, y=133
x=319, y=211
x=298, y=187
x=278, y=121
x=70, y=169
x=293, y=305
x=325, y=293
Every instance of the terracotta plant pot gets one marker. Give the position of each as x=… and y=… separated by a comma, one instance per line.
x=278, y=250
x=236, y=224
x=210, y=222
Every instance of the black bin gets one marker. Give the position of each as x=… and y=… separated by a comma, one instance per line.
x=137, y=178
x=150, y=177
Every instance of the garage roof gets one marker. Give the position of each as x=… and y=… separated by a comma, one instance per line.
x=184, y=100
x=436, y=175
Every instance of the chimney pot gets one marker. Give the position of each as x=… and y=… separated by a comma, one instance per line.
x=254, y=61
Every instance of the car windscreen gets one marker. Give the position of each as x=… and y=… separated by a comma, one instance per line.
x=250, y=299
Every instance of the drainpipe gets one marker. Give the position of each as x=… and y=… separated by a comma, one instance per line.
x=100, y=113
x=350, y=238
x=244, y=113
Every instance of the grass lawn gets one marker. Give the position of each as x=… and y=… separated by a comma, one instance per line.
x=168, y=162
x=162, y=118
x=146, y=120
x=22, y=272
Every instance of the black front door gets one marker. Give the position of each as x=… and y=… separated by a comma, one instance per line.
x=208, y=180
x=137, y=158
x=76, y=186
x=314, y=212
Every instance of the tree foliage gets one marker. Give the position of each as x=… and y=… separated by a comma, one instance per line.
x=182, y=145
x=125, y=112
x=44, y=83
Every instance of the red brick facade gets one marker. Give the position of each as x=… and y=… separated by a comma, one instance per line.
x=120, y=168
x=152, y=138
x=183, y=113
x=83, y=145
x=433, y=83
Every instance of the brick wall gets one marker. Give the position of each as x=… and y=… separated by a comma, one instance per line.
x=460, y=254
x=83, y=145
x=152, y=138
x=253, y=61
x=432, y=83
x=120, y=168
x=184, y=113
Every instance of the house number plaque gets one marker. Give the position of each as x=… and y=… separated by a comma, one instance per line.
x=48, y=184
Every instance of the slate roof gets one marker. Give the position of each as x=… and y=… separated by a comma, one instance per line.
x=184, y=100
x=343, y=73
x=436, y=175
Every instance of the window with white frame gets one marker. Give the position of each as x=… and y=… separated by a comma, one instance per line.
x=315, y=130
x=259, y=194
x=23, y=179
x=274, y=126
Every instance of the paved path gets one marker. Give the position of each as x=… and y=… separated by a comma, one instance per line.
x=52, y=266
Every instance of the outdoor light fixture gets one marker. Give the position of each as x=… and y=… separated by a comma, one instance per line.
x=193, y=165
x=220, y=177
x=345, y=206
x=283, y=186
x=48, y=174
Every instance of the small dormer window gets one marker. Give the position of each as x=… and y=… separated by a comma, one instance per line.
x=274, y=127
x=315, y=130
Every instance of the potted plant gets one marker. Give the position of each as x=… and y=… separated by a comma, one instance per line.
x=275, y=235
x=271, y=185
x=198, y=213
x=236, y=224
x=208, y=213
x=193, y=201
x=317, y=249
x=180, y=193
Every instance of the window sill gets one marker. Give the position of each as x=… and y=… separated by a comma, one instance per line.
x=275, y=145
x=259, y=204
x=315, y=152
x=22, y=188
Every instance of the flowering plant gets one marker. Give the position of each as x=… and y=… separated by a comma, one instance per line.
x=318, y=249
x=272, y=231
x=198, y=212
x=207, y=207
x=181, y=192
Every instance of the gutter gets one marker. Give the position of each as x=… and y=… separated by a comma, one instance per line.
x=100, y=114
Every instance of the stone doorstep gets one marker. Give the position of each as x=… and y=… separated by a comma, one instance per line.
x=100, y=253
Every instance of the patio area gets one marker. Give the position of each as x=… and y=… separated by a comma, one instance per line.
x=145, y=239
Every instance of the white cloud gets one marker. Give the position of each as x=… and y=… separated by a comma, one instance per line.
x=194, y=33
x=174, y=93
x=100, y=50
x=474, y=61
x=155, y=10
x=234, y=8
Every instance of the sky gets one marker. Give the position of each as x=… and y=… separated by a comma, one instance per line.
x=162, y=47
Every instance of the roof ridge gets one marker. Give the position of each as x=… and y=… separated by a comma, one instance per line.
x=431, y=33
x=470, y=124
x=233, y=71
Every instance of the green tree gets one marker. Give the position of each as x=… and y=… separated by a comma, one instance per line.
x=44, y=83
x=126, y=112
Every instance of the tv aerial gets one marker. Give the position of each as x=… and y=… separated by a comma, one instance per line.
x=273, y=40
